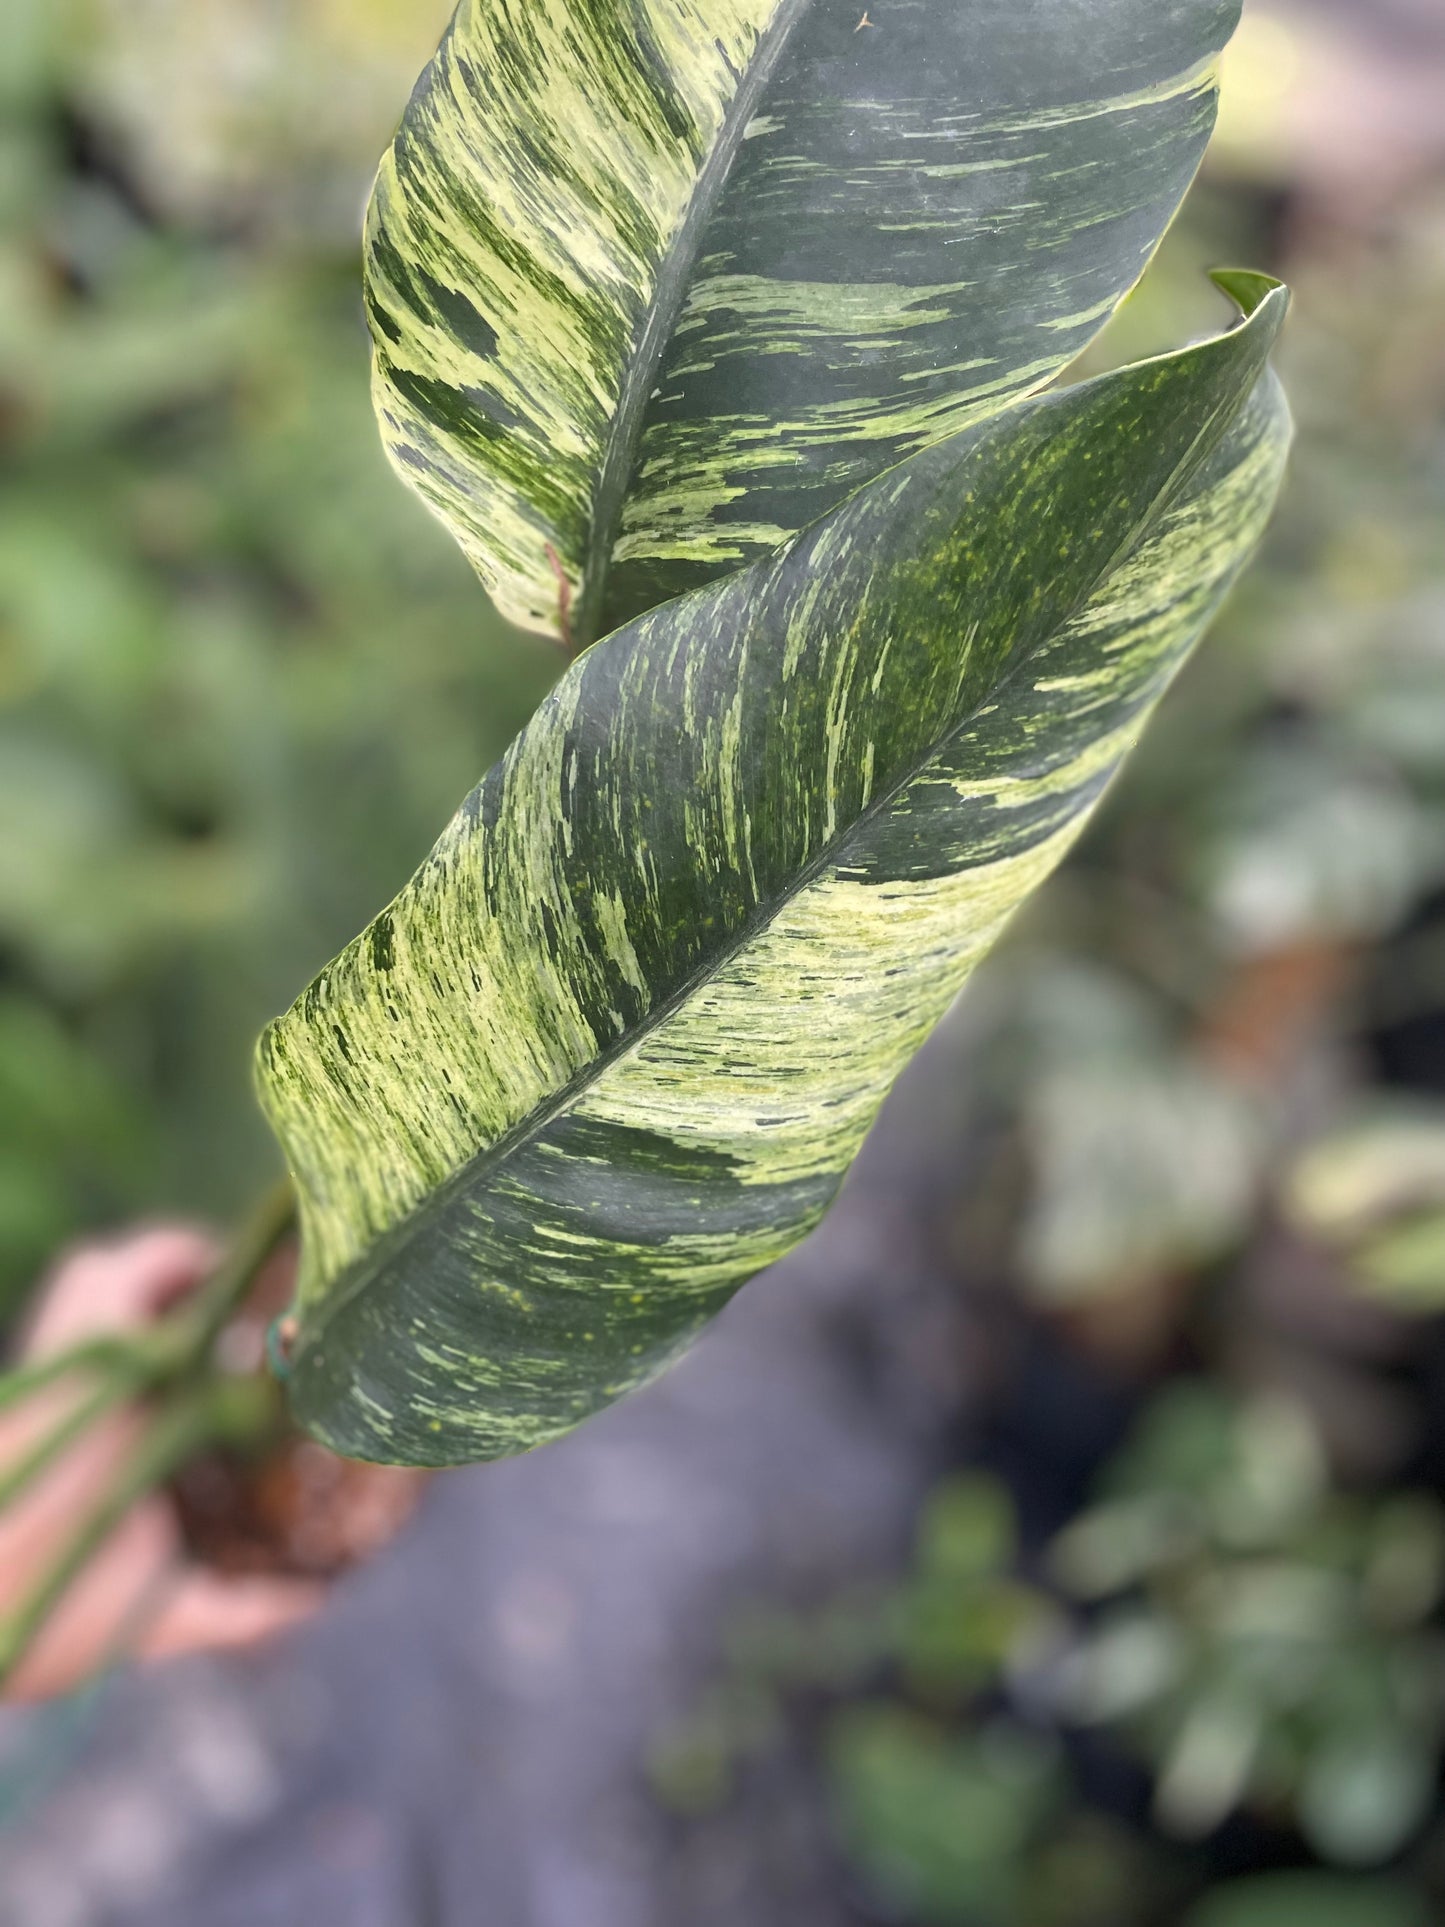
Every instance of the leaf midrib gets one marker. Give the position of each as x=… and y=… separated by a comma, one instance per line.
x=395, y=1237
x=668, y=294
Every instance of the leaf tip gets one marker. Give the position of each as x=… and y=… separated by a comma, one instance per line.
x=1248, y=289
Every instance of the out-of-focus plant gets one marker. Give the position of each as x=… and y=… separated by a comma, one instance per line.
x=1143, y=1154
x=1311, y=1900
x=1264, y=1640
x=960, y=1623
x=977, y=1828
x=954, y=1807
x=215, y=753
x=1372, y=1191
x=1256, y=1638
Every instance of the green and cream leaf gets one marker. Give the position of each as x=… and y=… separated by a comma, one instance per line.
x=613, y=1048
x=655, y=283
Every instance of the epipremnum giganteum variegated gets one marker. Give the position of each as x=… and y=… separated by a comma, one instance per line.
x=612, y=1049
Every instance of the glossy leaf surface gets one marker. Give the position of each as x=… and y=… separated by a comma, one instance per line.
x=655, y=283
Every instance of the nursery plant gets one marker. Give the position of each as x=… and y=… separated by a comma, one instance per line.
x=725, y=337
x=1265, y=1642
x=1223, y=1615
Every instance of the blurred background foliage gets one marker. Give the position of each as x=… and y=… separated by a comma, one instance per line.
x=243, y=678
x=1185, y=1664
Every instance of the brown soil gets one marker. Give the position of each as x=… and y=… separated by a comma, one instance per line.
x=298, y=1509
x=292, y=1507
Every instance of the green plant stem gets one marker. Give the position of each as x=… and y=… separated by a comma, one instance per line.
x=109, y=1356
x=178, y=1431
x=272, y=1221
x=203, y=1407
x=175, y=1344
x=75, y=1423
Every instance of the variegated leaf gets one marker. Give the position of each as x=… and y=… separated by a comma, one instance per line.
x=612, y=1049
x=654, y=283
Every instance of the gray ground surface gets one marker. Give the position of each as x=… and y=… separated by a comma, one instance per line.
x=458, y=1740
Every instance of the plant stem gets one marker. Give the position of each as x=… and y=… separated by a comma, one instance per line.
x=206, y=1406
x=175, y=1344
x=49, y=1448
x=111, y=1355
x=273, y=1219
x=178, y=1431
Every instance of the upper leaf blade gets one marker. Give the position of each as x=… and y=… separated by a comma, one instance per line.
x=655, y=283
x=611, y=1050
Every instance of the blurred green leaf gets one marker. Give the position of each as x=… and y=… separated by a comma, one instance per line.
x=1312, y=847
x=967, y=1530
x=1139, y=1167
x=942, y=1824
x=1311, y=1900
x=1263, y=1642
x=1206, y=1771
x=1374, y=1190
x=1366, y=1794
